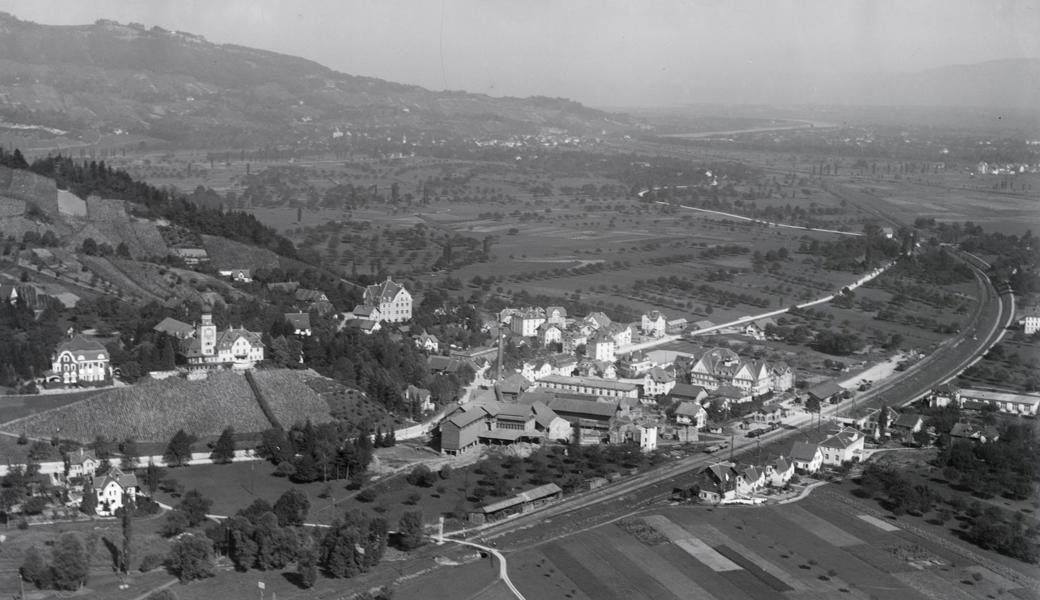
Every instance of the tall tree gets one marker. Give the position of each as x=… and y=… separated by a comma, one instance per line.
x=195, y=506
x=191, y=558
x=224, y=448
x=410, y=530
x=178, y=451
x=291, y=508
x=128, y=534
x=153, y=475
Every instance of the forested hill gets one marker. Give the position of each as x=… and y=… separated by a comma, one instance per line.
x=85, y=178
x=179, y=88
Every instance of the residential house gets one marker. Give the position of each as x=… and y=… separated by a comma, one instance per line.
x=653, y=324
x=365, y=326
x=588, y=367
x=676, y=326
x=806, y=457
x=621, y=334
x=908, y=424
x=392, y=299
x=234, y=348
x=731, y=394
x=428, y=342
x=601, y=347
x=237, y=275
x=191, y=256
x=82, y=463
x=779, y=472
x=634, y=365
x=80, y=360
x=556, y=315
x=718, y=482
x=114, y=488
x=549, y=333
x=768, y=415
x=420, y=398
x=365, y=312
x=300, y=323
x=536, y=369
x=174, y=328
x=682, y=392
x=314, y=300
x=842, y=447
x=597, y=320
x=781, y=377
x=573, y=340
x=563, y=365
x=691, y=413
x=752, y=479
x=970, y=431
x=722, y=366
x=527, y=322
x=658, y=382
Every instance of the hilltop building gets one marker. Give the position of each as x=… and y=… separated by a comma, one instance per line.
x=232, y=348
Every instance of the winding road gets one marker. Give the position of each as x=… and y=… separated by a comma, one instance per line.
x=503, y=570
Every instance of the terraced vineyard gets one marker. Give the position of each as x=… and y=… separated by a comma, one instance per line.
x=155, y=410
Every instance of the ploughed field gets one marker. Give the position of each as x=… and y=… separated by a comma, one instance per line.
x=816, y=548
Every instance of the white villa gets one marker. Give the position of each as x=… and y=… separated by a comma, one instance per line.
x=392, y=299
x=80, y=360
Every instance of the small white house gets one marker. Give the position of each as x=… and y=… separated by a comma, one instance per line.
x=113, y=489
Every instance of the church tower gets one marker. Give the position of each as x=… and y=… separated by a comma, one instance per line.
x=207, y=335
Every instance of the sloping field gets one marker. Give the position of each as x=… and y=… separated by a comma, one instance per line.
x=153, y=411
x=291, y=399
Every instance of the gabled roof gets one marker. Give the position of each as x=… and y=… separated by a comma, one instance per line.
x=557, y=309
x=825, y=390
x=907, y=420
x=660, y=375
x=685, y=390
x=781, y=464
x=730, y=392
x=173, y=327
x=463, y=417
x=78, y=458
x=123, y=480
x=841, y=440
x=383, y=292
x=688, y=409
x=299, y=320
x=226, y=338
x=803, y=451
x=598, y=319
x=543, y=415
x=309, y=295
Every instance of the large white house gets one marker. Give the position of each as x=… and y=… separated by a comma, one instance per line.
x=235, y=348
x=653, y=324
x=116, y=487
x=80, y=360
x=392, y=299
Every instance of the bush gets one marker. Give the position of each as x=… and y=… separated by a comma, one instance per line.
x=367, y=495
x=421, y=476
x=446, y=472
x=151, y=561
x=176, y=523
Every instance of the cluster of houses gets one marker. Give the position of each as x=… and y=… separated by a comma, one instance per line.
x=205, y=347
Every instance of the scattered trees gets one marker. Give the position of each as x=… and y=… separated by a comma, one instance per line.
x=191, y=558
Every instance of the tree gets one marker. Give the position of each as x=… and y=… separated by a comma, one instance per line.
x=178, y=451
x=153, y=475
x=307, y=567
x=224, y=448
x=88, y=505
x=89, y=247
x=191, y=558
x=883, y=421
x=128, y=534
x=176, y=523
x=421, y=476
x=69, y=563
x=35, y=569
x=291, y=508
x=410, y=530
x=194, y=506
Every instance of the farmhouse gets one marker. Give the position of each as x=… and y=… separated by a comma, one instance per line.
x=975, y=433
x=80, y=360
x=191, y=256
x=634, y=365
x=691, y=413
x=237, y=275
x=392, y=299
x=234, y=348
x=908, y=423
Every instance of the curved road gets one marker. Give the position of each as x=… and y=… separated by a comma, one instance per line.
x=503, y=572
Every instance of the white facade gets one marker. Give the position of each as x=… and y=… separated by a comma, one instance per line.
x=648, y=439
x=392, y=299
x=654, y=324
x=80, y=360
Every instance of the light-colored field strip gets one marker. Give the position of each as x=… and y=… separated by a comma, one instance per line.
x=691, y=545
x=821, y=528
x=582, y=551
x=932, y=585
x=674, y=580
x=879, y=523
x=715, y=537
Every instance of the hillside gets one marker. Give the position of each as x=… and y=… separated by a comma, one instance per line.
x=177, y=87
x=155, y=410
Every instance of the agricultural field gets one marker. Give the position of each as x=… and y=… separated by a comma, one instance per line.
x=155, y=410
x=817, y=548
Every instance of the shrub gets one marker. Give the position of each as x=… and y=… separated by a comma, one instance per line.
x=176, y=522
x=421, y=476
x=368, y=495
x=151, y=561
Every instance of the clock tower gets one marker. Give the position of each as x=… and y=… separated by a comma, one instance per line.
x=207, y=335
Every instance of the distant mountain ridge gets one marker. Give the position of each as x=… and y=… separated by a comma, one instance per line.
x=1009, y=83
x=181, y=88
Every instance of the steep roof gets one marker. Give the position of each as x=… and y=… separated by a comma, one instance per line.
x=803, y=451
x=82, y=345
x=463, y=417
x=226, y=338
x=299, y=320
x=309, y=295
x=382, y=292
x=685, y=390
x=908, y=420
x=688, y=409
x=124, y=480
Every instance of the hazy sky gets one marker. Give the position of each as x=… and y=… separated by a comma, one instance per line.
x=601, y=52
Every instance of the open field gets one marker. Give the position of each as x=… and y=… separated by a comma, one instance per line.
x=815, y=549
x=16, y=407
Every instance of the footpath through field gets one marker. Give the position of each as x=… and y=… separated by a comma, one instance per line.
x=503, y=572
